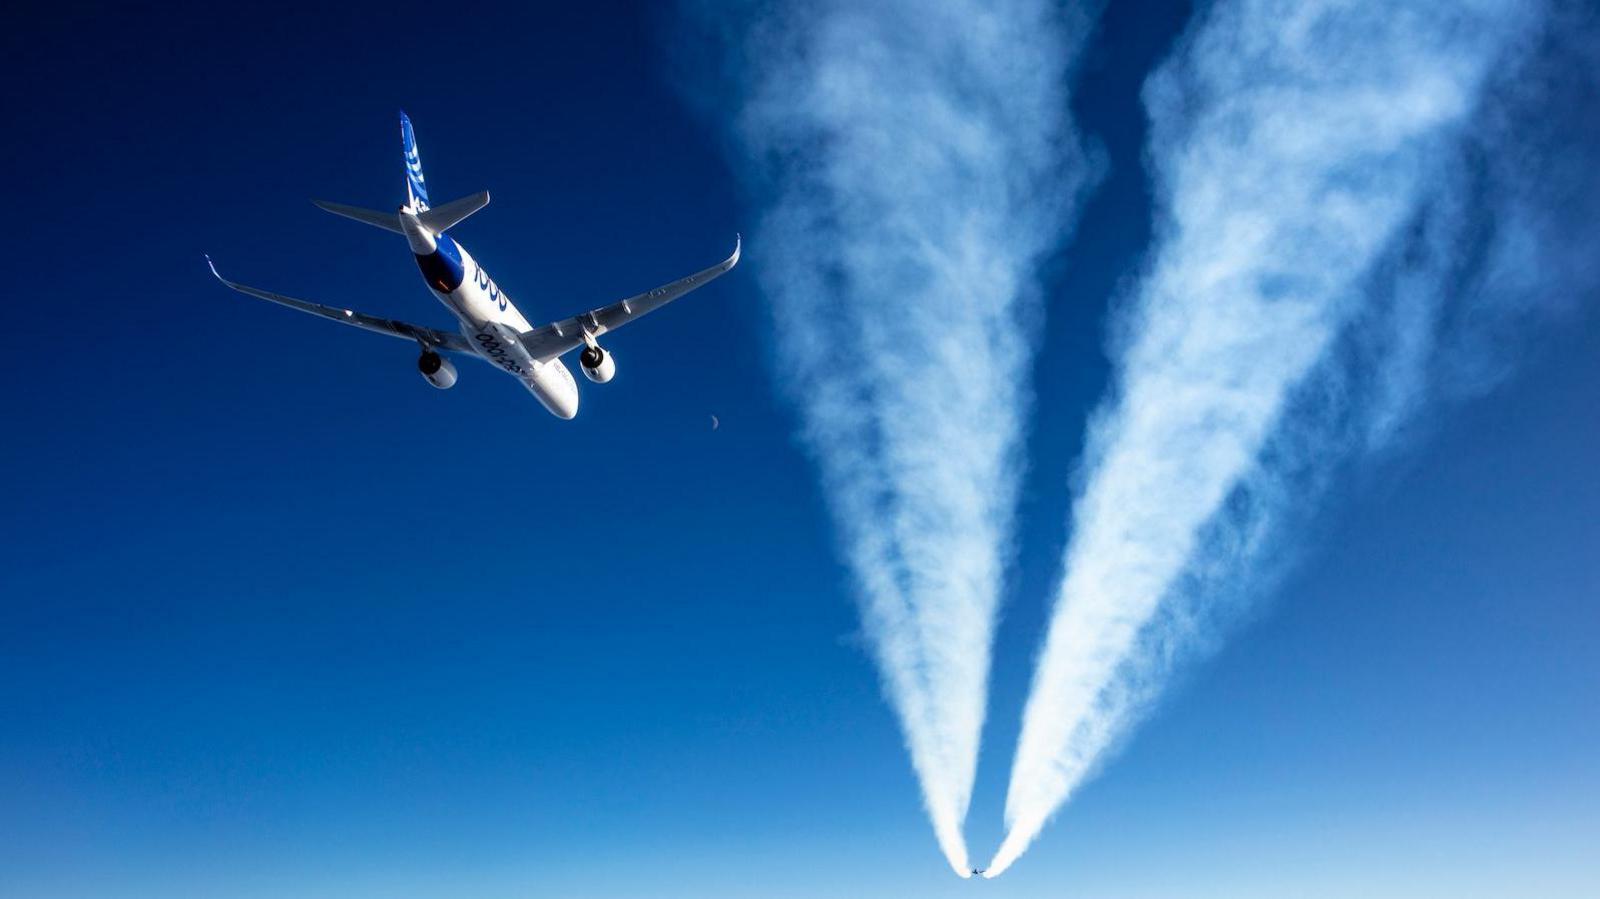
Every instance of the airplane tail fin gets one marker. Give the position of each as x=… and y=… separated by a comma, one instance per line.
x=416, y=187
x=434, y=220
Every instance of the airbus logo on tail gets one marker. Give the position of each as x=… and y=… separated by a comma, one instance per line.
x=416, y=185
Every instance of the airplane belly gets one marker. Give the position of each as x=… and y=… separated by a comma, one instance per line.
x=550, y=382
x=495, y=325
x=553, y=386
x=473, y=303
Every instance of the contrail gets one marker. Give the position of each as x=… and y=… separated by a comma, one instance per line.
x=914, y=160
x=1351, y=196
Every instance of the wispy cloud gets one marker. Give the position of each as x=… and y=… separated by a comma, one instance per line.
x=1358, y=200
x=913, y=161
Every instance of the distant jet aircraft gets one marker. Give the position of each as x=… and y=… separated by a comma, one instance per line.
x=491, y=328
x=978, y=871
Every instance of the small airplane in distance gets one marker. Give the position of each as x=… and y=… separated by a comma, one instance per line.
x=490, y=326
x=978, y=871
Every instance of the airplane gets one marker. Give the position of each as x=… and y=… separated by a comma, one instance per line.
x=978, y=871
x=489, y=325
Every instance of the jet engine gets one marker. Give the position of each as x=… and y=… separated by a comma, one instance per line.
x=598, y=365
x=437, y=370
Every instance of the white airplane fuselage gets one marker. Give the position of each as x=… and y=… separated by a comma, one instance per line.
x=487, y=316
x=489, y=325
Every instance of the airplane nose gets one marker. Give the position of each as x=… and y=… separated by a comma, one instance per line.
x=562, y=404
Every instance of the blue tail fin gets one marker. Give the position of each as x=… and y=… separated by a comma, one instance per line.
x=416, y=187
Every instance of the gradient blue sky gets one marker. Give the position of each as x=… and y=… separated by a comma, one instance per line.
x=276, y=618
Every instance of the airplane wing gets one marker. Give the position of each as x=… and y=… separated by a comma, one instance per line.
x=549, y=341
x=435, y=339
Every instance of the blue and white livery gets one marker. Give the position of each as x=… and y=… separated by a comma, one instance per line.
x=490, y=326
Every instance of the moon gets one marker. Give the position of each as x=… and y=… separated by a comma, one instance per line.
x=714, y=423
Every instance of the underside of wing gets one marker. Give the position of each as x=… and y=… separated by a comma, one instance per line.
x=429, y=337
x=549, y=341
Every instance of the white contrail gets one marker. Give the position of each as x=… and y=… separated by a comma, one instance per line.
x=914, y=160
x=1340, y=201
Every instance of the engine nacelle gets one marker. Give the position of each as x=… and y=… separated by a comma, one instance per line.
x=437, y=370
x=598, y=365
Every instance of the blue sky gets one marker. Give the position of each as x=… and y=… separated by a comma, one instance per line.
x=276, y=617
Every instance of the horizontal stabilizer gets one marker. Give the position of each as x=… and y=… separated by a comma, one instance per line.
x=451, y=214
x=388, y=221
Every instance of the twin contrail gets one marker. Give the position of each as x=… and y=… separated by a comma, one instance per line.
x=914, y=160
x=1349, y=196
x=1342, y=199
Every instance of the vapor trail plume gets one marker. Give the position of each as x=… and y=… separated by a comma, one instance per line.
x=1351, y=195
x=914, y=159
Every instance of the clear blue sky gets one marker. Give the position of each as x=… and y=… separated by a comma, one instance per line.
x=276, y=618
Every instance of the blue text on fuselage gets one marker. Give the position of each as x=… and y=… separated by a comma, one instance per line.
x=496, y=352
x=492, y=289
